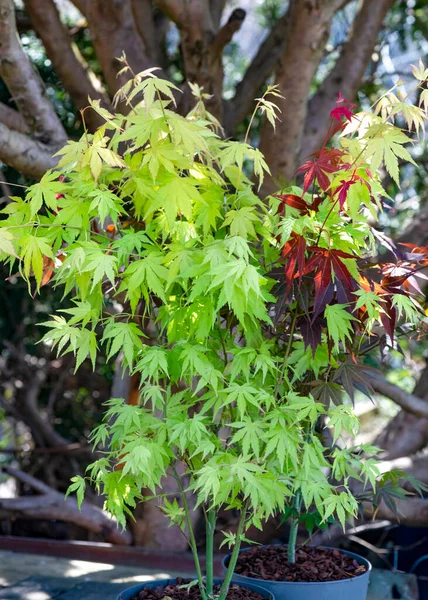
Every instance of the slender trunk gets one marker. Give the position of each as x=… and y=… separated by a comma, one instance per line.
x=209, y=551
x=294, y=527
x=234, y=556
x=291, y=548
x=192, y=540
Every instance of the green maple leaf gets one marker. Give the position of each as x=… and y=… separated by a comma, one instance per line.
x=107, y=204
x=45, y=191
x=6, y=245
x=163, y=154
x=32, y=250
x=150, y=87
x=102, y=266
x=241, y=222
x=132, y=241
x=144, y=276
x=339, y=327
x=208, y=209
x=177, y=197
x=60, y=334
x=87, y=347
x=250, y=433
x=78, y=485
x=123, y=337
x=188, y=134
x=386, y=146
x=142, y=129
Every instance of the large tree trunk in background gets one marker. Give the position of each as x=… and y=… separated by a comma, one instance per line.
x=66, y=59
x=308, y=29
x=24, y=83
x=114, y=32
x=202, y=45
x=347, y=73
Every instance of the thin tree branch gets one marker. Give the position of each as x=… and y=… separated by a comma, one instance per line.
x=173, y=9
x=407, y=401
x=256, y=74
x=309, y=25
x=143, y=11
x=114, y=32
x=75, y=75
x=347, y=73
x=12, y=118
x=26, y=154
x=52, y=505
x=228, y=30
x=24, y=83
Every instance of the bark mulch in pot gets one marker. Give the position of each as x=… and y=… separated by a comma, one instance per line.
x=174, y=591
x=312, y=564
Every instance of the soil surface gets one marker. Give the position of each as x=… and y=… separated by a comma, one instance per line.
x=177, y=592
x=312, y=564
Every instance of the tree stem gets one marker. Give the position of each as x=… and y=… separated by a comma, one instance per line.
x=234, y=556
x=192, y=540
x=294, y=526
x=209, y=551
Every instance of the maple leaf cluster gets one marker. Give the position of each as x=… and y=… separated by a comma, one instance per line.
x=339, y=290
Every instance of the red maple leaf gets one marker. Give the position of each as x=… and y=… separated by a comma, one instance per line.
x=343, y=108
x=294, y=253
x=324, y=162
x=298, y=202
x=294, y=201
x=342, y=191
x=325, y=262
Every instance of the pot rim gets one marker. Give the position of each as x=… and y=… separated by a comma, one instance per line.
x=366, y=563
x=138, y=586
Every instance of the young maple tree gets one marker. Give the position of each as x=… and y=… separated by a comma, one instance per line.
x=261, y=310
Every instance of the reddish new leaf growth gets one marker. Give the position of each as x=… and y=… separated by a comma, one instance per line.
x=342, y=191
x=343, y=108
x=325, y=162
x=294, y=253
x=325, y=262
x=298, y=203
x=293, y=201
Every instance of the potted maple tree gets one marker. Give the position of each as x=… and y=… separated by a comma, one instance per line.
x=331, y=296
x=156, y=237
x=169, y=260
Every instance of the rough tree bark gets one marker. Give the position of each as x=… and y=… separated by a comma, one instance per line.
x=347, y=73
x=79, y=81
x=114, y=32
x=25, y=85
x=308, y=29
x=202, y=45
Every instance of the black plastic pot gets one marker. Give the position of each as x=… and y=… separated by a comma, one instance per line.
x=133, y=591
x=345, y=589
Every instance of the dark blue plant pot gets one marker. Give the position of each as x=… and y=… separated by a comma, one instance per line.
x=133, y=591
x=346, y=589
